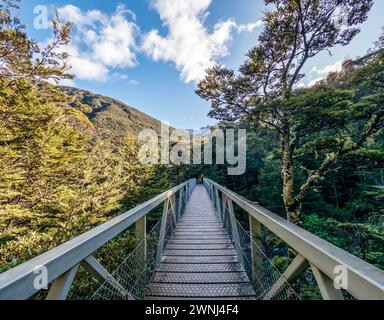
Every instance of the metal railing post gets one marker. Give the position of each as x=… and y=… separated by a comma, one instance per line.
x=141, y=236
x=255, y=230
x=164, y=218
x=180, y=204
x=172, y=203
x=224, y=210
x=214, y=200
x=187, y=192
x=235, y=232
x=186, y=195
x=218, y=204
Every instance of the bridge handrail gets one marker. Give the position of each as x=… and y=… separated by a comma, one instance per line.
x=365, y=281
x=61, y=262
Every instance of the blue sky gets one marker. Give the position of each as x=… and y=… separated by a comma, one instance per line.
x=150, y=53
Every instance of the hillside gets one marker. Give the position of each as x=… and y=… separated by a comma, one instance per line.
x=110, y=114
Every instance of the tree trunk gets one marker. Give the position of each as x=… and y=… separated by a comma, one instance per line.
x=293, y=211
x=334, y=187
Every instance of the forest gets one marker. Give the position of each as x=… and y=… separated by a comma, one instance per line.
x=68, y=158
x=316, y=153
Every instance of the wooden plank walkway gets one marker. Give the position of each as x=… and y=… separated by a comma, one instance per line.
x=199, y=261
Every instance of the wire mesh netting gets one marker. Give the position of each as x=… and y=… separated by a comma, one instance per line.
x=259, y=268
x=129, y=280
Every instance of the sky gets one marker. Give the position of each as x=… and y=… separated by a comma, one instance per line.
x=151, y=54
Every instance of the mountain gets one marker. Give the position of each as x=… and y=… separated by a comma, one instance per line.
x=110, y=114
x=202, y=132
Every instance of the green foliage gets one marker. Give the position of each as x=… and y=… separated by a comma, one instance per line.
x=268, y=190
x=264, y=93
x=68, y=158
x=324, y=228
x=337, y=158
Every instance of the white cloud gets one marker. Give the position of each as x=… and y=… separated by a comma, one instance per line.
x=104, y=44
x=76, y=16
x=117, y=76
x=189, y=44
x=67, y=82
x=314, y=81
x=134, y=82
x=116, y=41
x=100, y=42
x=301, y=85
x=85, y=68
x=321, y=74
x=250, y=27
x=308, y=83
x=336, y=67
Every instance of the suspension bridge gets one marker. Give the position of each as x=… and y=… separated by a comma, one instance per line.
x=198, y=249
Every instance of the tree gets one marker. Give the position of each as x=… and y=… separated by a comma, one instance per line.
x=60, y=173
x=262, y=92
x=23, y=58
x=42, y=138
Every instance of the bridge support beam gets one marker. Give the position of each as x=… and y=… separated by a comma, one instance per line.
x=61, y=286
x=326, y=285
x=294, y=270
x=101, y=274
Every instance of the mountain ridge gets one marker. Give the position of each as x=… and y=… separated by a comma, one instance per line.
x=109, y=112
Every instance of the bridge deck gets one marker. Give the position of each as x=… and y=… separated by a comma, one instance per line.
x=200, y=261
